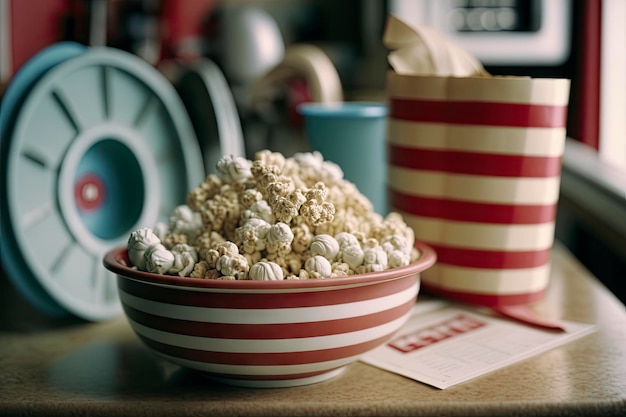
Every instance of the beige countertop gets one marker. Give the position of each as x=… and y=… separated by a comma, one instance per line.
x=68, y=367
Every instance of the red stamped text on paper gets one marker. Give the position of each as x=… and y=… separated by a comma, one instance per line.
x=454, y=326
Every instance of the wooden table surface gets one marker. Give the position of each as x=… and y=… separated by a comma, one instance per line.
x=69, y=367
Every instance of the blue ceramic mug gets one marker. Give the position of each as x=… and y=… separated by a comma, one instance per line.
x=353, y=135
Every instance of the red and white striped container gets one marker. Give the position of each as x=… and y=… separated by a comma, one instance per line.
x=474, y=168
x=267, y=333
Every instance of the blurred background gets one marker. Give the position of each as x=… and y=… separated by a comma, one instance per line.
x=558, y=38
x=268, y=56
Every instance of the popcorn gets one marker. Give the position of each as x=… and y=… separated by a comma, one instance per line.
x=233, y=265
x=253, y=235
x=184, y=220
x=232, y=168
x=147, y=252
x=185, y=258
x=266, y=271
x=374, y=259
x=318, y=267
x=158, y=259
x=274, y=218
x=138, y=242
x=325, y=245
x=279, y=238
x=352, y=254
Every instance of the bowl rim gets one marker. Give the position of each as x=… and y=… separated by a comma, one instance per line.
x=116, y=260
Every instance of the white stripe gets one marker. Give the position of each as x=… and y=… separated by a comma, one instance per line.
x=219, y=368
x=304, y=344
x=270, y=316
x=497, y=140
x=488, y=236
x=523, y=90
x=477, y=188
x=488, y=281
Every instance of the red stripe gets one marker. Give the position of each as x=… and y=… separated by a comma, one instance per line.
x=468, y=211
x=491, y=259
x=478, y=113
x=475, y=163
x=266, y=359
x=487, y=300
x=280, y=377
x=268, y=331
x=188, y=297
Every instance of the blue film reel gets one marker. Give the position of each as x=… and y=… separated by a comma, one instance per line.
x=100, y=145
x=21, y=84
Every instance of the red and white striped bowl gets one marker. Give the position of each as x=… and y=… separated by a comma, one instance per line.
x=474, y=168
x=267, y=333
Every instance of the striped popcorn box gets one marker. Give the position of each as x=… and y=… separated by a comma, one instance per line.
x=474, y=168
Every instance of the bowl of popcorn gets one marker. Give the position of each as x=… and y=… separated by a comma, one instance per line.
x=276, y=272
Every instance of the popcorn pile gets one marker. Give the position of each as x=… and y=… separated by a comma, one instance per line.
x=274, y=218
